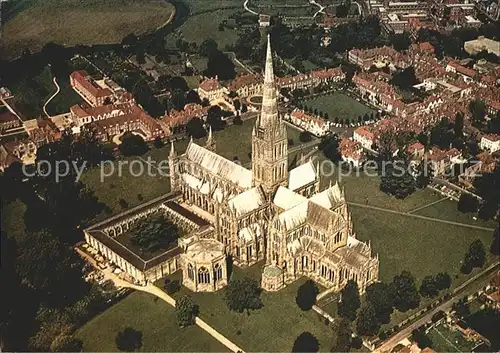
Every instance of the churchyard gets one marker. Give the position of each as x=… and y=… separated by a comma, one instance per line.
x=272, y=328
x=338, y=106
x=67, y=22
x=151, y=316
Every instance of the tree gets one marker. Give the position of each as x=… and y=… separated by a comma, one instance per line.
x=132, y=145
x=382, y=299
x=330, y=147
x=441, y=134
x=478, y=110
x=208, y=47
x=422, y=340
x=129, y=40
x=401, y=41
x=158, y=143
x=305, y=136
x=178, y=99
x=193, y=97
x=129, y=340
x=459, y=125
x=244, y=294
x=140, y=57
x=306, y=295
x=406, y=296
x=195, y=129
x=154, y=232
x=474, y=257
x=171, y=287
x=397, y=180
x=51, y=269
x=443, y=280
x=461, y=307
x=342, y=334
x=425, y=172
x=467, y=203
x=306, y=342
x=123, y=203
x=366, y=321
x=237, y=104
x=428, y=287
x=349, y=301
x=219, y=65
x=495, y=244
x=66, y=343
x=237, y=120
x=214, y=118
x=186, y=311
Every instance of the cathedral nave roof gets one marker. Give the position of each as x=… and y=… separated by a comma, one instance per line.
x=301, y=175
x=247, y=201
x=329, y=198
x=220, y=166
x=286, y=198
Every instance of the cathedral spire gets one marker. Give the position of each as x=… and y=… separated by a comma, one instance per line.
x=269, y=114
x=172, y=149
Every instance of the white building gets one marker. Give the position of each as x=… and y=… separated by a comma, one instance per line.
x=490, y=142
x=363, y=136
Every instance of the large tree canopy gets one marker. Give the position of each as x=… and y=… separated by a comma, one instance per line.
x=244, y=294
x=154, y=232
x=406, y=296
x=349, y=301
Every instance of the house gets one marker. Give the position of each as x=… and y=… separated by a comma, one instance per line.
x=264, y=20
x=485, y=164
x=315, y=125
x=443, y=159
x=246, y=85
x=364, y=137
x=8, y=121
x=82, y=115
x=416, y=150
x=44, y=132
x=467, y=74
x=178, y=119
x=490, y=143
x=352, y=152
x=481, y=43
x=89, y=89
x=134, y=120
x=212, y=90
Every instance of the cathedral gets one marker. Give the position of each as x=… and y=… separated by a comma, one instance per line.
x=268, y=213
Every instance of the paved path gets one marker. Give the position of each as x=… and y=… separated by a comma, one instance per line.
x=321, y=7
x=245, y=5
x=425, y=206
x=154, y=290
x=421, y=217
x=52, y=97
x=390, y=343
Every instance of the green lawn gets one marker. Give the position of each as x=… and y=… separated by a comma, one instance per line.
x=272, y=328
x=157, y=322
x=422, y=247
x=70, y=22
x=338, y=105
x=445, y=339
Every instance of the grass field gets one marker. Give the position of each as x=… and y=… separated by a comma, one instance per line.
x=338, y=105
x=71, y=22
x=272, y=328
x=444, y=339
x=157, y=322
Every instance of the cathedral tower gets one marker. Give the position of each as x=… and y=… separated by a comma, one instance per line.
x=269, y=137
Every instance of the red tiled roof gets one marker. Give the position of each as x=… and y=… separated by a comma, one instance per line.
x=210, y=84
x=417, y=146
x=7, y=117
x=299, y=114
x=88, y=82
x=492, y=137
x=362, y=130
x=244, y=80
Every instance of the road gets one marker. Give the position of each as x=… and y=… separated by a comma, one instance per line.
x=390, y=343
x=58, y=89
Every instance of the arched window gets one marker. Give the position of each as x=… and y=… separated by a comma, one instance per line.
x=191, y=272
x=203, y=275
x=218, y=272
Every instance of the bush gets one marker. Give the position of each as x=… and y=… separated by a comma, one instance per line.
x=171, y=287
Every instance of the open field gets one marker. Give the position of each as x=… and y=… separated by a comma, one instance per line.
x=33, y=23
x=154, y=318
x=272, y=328
x=338, y=105
x=420, y=246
